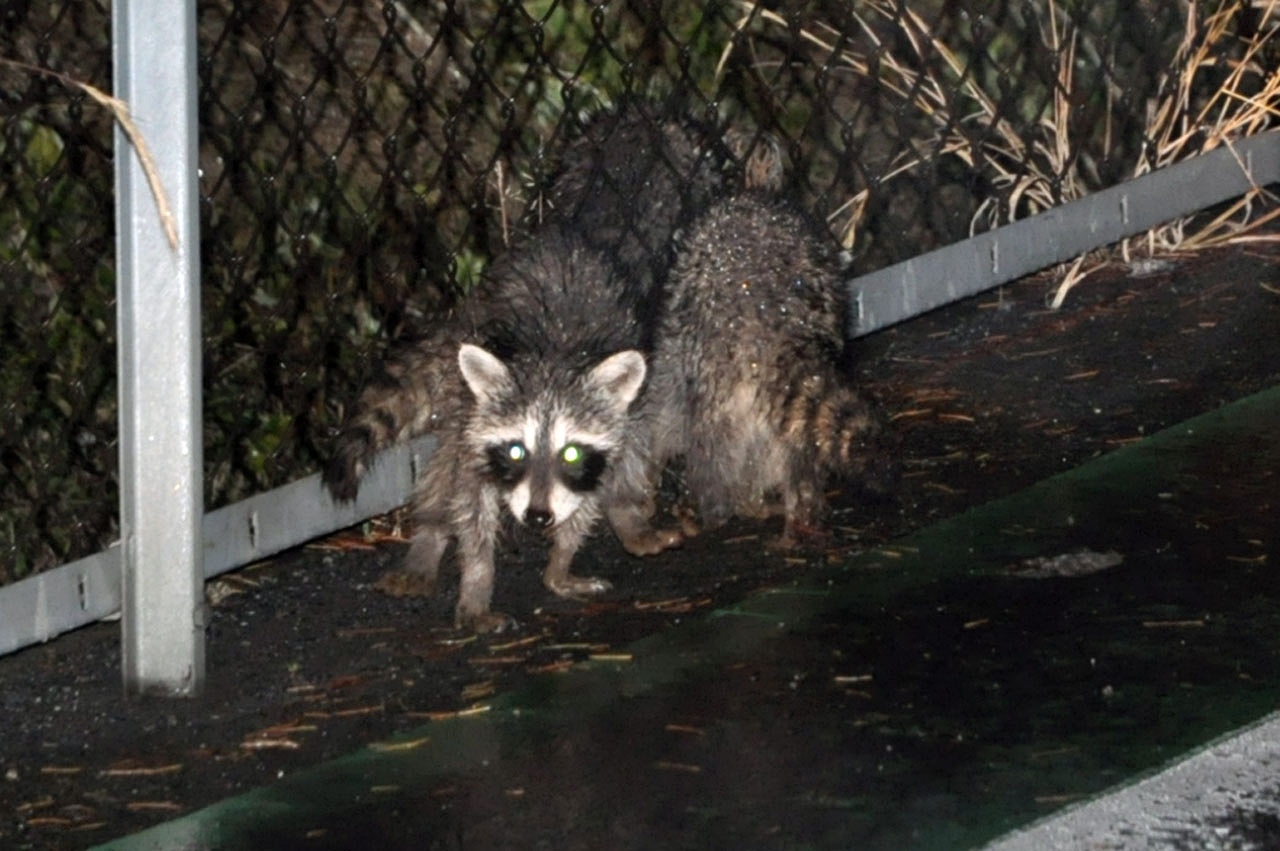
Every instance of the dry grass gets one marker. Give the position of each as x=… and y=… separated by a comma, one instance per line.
x=1246, y=103
x=1033, y=167
x=1180, y=130
x=120, y=112
x=1039, y=165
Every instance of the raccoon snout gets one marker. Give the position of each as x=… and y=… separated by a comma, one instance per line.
x=538, y=518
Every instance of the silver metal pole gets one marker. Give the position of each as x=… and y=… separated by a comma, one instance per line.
x=158, y=314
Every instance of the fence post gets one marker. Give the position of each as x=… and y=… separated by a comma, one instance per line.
x=158, y=315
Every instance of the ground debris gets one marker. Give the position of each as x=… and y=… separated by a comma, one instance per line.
x=129, y=769
x=1078, y=563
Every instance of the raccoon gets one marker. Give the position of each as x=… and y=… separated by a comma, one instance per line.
x=746, y=384
x=633, y=179
x=531, y=383
x=626, y=186
x=548, y=436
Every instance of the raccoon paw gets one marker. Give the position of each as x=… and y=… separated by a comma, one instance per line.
x=802, y=536
x=402, y=583
x=687, y=517
x=485, y=623
x=653, y=541
x=578, y=586
x=342, y=478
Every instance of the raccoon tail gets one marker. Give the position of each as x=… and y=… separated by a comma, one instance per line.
x=362, y=438
x=405, y=400
x=760, y=158
x=841, y=428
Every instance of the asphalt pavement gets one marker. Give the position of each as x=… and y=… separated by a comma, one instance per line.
x=1090, y=663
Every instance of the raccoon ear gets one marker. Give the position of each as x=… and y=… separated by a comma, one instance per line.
x=487, y=376
x=619, y=376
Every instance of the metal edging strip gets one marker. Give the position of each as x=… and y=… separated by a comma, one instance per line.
x=40, y=607
x=939, y=277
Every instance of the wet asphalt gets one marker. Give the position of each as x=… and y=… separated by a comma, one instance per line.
x=999, y=674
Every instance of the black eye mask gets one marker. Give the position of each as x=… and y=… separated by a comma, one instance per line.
x=507, y=461
x=581, y=467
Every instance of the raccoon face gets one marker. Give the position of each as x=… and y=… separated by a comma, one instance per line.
x=549, y=450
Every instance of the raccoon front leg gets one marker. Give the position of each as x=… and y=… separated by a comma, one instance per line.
x=804, y=505
x=476, y=537
x=565, y=541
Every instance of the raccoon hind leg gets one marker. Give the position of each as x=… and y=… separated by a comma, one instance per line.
x=735, y=464
x=432, y=533
x=630, y=506
x=804, y=507
x=633, y=525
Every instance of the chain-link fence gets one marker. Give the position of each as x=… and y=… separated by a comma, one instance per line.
x=361, y=161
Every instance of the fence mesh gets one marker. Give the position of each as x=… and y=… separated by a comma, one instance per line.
x=362, y=161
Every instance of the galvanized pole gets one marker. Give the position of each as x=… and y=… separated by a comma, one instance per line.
x=158, y=314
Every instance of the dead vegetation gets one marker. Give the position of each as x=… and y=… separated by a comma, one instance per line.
x=1222, y=85
x=120, y=112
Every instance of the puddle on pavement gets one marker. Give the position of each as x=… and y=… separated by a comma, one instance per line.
x=933, y=694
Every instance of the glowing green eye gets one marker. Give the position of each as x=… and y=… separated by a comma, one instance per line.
x=516, y=452
x=571, y=454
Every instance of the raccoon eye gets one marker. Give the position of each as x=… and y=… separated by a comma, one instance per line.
x=581, y=467
x=506, y=461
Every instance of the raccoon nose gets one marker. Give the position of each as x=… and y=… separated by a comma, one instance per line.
x=538, y=518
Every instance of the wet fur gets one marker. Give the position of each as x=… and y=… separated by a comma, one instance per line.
x=415, y=391
x=550, y=340
x=742, y=337
x=632, y=181
x=584, y=285
x=626, y=186
x=746, y=384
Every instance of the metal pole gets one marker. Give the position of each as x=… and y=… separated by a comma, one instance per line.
x=158, y=314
